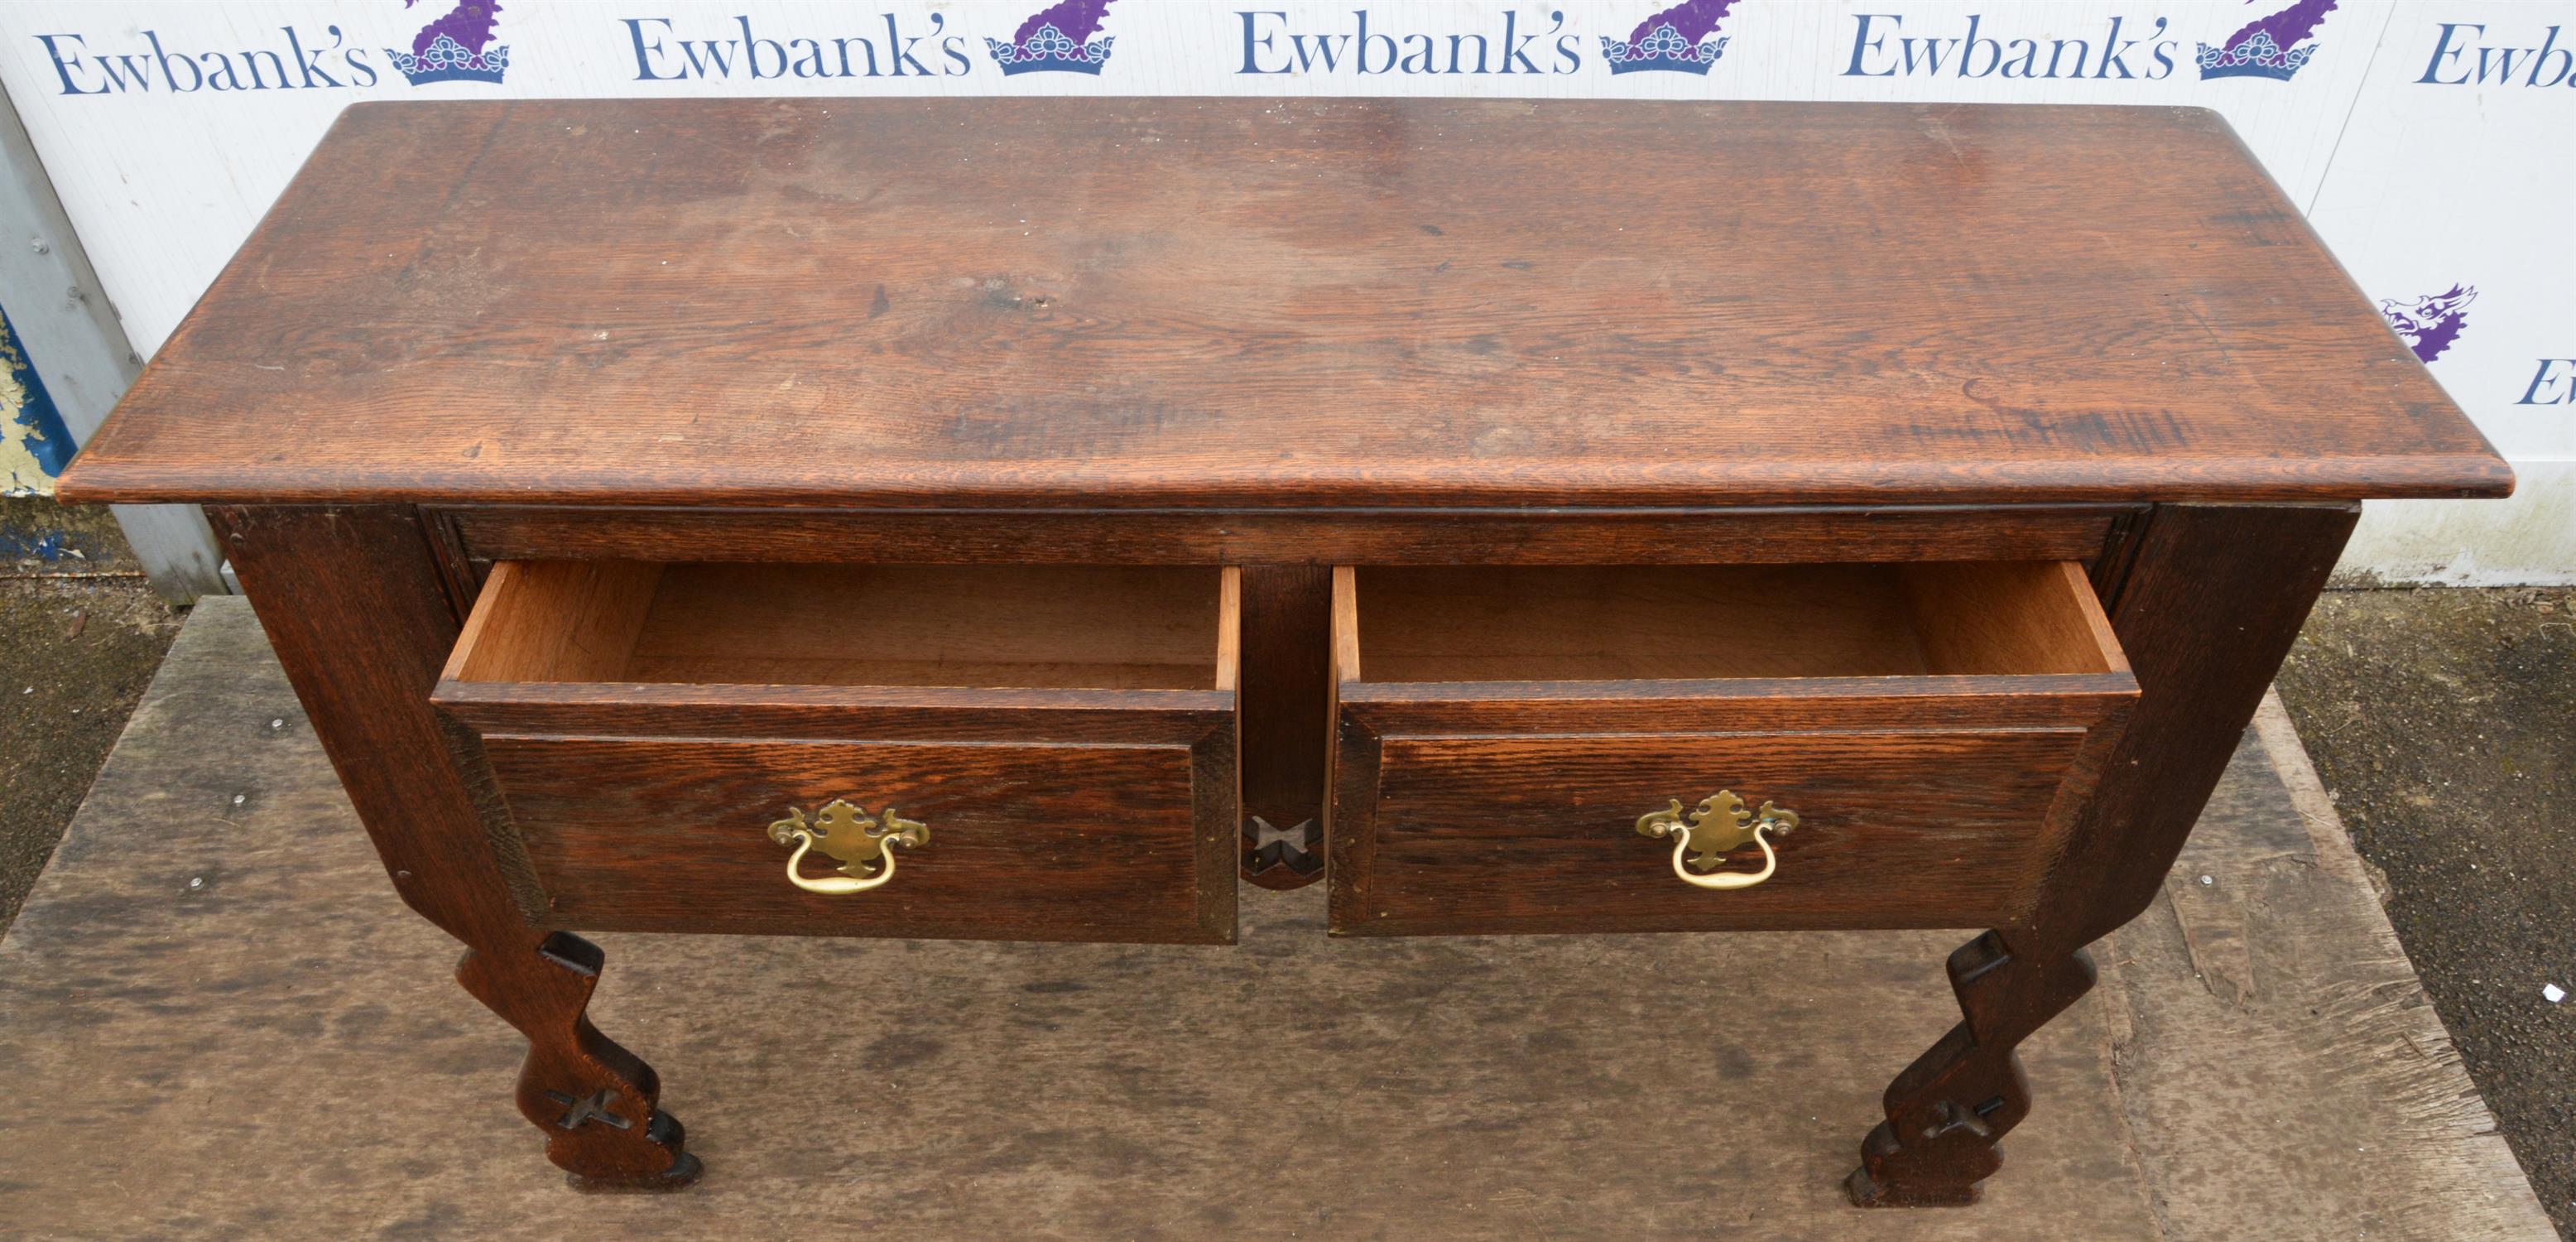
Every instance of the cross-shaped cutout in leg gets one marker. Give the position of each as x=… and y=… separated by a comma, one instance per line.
x=1297, y=848
x=1948, y=1116
x=592, y=1108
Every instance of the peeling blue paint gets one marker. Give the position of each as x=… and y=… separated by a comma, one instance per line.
x=34, y=443
x=48, y=547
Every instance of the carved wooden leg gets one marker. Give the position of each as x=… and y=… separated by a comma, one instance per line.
x=2206, y=610
x=354, y=603
x=1948, y=1109
x=593, y=1099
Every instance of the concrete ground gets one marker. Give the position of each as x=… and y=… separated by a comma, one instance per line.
x=80, y=635
x=2443, y=724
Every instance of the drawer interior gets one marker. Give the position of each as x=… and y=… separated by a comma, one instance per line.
x=982, y=626
x=1607, y=623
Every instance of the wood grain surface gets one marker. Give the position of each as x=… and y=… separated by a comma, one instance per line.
x=1935, y=726
x=1255, y=302
x=1027, y=841
x=1497, y=835
x=358, y=609
x=633, y=762
x=1474, y=623
x=1287, y=722
x=2205, y=610
x=1672, y=535
x=996, y=626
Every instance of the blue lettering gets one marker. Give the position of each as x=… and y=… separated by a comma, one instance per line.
x=1458, y=53
x=1365, y=39
x=309, y=64
x=2057, y=50
x=2442, y=50
x=1863, y=44
x=1933, y=50
x=126, y=72
x=196, y=76
x=1368, y=48
x=1880, y=50
x=753, y=47
x=645, y=53
x=2548, y=48
x=313, y=68
x=867, y=49
x=902, y=47
x=2547, y=377
x=1518, y=49
x=719, y=56
x=276, y=62
x=1995, y=51
x=1324, y=51
x=2498, y=66
x=63, y=68
x=221, y=76
x=1264, y=42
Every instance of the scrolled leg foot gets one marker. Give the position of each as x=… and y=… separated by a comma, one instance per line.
x=593, y=1099
x=1947, y=1111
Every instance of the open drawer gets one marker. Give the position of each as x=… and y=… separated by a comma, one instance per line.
x=980, y=752
x=1526, y=749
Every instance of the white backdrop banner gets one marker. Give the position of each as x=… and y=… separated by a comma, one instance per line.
x=2431, y=142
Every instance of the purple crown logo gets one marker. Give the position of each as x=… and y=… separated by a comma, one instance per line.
x=2268, y=48
x=455, y=48
x=1056, y=40
x=1675, y=40
x=2432, y=322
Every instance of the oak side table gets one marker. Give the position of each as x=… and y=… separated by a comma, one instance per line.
x=1029, y=518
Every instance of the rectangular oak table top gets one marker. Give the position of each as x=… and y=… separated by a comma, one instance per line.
x=1243, y=303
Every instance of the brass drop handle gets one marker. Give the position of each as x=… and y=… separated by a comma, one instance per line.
x=1702, y=838
x=850, y=835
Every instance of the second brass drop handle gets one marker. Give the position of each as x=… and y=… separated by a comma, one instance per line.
x=851, y=836
x=1702, y=838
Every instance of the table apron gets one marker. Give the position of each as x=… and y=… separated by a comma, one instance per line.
x=1321, y=536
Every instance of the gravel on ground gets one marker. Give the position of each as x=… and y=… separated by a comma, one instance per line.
x=2443, y=723
x=81, y=634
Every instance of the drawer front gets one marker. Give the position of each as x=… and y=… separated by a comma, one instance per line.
x=1500, y=834
x=657, y=740
x=1925, y=733
x=1027, y=841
